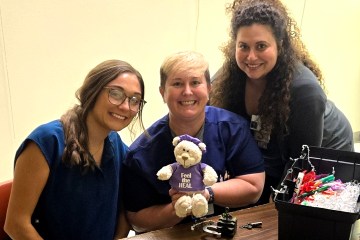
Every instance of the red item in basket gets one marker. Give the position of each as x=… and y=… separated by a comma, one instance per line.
x=309, y=176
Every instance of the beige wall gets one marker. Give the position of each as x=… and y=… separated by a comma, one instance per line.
x=47, y=48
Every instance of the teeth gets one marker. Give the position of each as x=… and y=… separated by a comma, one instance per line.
x=118, y=116
x=188, y=102
x=253, y=65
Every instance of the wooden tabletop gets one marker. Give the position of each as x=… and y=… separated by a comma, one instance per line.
x=267, y=214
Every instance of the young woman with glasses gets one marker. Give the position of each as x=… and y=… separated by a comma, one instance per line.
x=67, y=176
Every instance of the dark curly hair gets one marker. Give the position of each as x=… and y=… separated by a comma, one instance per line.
x=229, y=81
x=74, y=120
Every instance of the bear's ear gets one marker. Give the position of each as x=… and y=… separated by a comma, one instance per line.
x=202, y=146
x=175, y=141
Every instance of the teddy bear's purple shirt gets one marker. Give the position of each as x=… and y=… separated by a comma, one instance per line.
x=187, y=179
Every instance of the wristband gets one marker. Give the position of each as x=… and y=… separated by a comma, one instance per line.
x=211, y=194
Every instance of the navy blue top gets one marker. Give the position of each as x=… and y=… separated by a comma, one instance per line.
x=74, y=204
x=230, y=148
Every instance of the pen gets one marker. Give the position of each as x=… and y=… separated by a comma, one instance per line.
x=320, y=189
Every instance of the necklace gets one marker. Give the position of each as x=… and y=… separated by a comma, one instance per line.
x=97, y=150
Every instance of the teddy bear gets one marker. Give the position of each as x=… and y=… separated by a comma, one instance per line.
x=189, y=175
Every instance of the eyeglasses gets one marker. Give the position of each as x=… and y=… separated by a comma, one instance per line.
x=117, y=97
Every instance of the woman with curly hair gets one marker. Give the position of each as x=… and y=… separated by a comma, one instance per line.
x=269, y=78
x=67, y=177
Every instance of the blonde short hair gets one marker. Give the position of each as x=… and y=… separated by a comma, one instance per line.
x=183, y=61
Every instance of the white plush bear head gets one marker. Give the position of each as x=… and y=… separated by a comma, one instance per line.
x=188, y=150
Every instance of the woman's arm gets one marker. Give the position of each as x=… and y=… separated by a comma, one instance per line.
x=154, y=217
x=123, y=227
x=30, y=176
x=239, y=191
x=307, y=109
x=236, y=192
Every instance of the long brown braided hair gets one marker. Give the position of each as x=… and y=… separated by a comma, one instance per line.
x=74, y=120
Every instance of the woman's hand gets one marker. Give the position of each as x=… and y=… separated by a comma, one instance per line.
x=175, y=195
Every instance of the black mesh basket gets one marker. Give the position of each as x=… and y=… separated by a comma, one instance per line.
x=303, y=222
